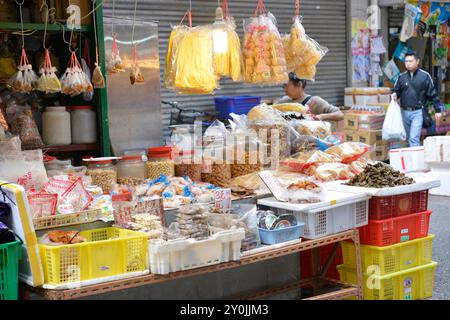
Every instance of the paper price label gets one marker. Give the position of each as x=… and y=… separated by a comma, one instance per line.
x=222, y=201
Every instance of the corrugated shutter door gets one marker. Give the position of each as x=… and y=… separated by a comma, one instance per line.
x=324, y=21
x=396, y=16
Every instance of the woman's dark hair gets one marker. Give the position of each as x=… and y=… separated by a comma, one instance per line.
x=296, y=80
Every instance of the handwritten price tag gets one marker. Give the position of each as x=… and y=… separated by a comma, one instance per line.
x=223, y=200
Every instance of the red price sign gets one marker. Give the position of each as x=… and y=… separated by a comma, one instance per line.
x=223, y=200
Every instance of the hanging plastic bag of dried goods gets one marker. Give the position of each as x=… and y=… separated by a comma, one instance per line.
x=227, y=47
x=97, y=76
x=25, y=78
x=74, y=81
x=135, y=74
x=23, y=125
x=264, y=58
x=303, y=53
x=48, y=81
x=195, y=74
x=177, y=34
x=115, y=64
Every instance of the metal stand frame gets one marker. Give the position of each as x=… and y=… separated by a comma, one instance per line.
x=329, y=289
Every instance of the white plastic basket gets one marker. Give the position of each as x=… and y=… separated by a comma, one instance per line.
x=345, y=212
x=180, y=255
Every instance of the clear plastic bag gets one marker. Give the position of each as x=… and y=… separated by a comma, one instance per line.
x=301, y=161
x=319, y=129
x=264, y=57
x=135, y=74
x=115, y=64
x=42, y=204
x=302, y=52
x=177, y=34
x=74, y=81
x=195, y=74
x=23, y=125
x=11, y=146
x=245, y=216
x=25, y=168
x=331, y=172
x=75, y=198
x=48, y=82
x=229, y=63
x=349, y=151
x=97, y=77
x=24, y=81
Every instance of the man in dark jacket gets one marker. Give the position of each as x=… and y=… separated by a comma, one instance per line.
x=414, y=88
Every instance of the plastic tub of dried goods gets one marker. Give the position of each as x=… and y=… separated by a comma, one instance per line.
x=160, y=162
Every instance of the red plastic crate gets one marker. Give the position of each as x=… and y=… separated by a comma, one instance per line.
x=395, y=230
x=381, y=208
x=306, y=270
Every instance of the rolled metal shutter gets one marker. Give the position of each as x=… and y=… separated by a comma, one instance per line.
x=324, y=21
x=396, y=16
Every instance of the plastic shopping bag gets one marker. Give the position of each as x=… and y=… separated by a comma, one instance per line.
x=393, y=128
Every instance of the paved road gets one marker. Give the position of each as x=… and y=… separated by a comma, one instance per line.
x=440, y=226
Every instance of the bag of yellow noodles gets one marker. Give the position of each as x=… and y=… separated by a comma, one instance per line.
x=194, y=63
x=177, y=34
x=227, y=48
x=302, y=52
x=264, y=57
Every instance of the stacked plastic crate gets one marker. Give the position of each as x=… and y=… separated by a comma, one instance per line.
x=396, y=250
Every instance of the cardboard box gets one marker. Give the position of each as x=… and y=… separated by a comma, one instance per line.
x=355, y=121
x=350, y=136
x=379, y=154
x=370, y=137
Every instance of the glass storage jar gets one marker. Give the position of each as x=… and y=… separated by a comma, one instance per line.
x=84, y=125
x=131, y=170
x=160, y=163
x=56, y=128
x=103, y=174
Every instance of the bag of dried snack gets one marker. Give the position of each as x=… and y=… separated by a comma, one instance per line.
x=74, y=81
x=115, y=64
x=25, y=79
x=23, y=125
x=48, y=82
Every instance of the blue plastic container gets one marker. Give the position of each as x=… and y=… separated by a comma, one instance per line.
x=281, y=235
x=238, y=105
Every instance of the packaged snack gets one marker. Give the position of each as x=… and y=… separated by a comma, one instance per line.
x=74, y=81
x=348, y=151
x=23, y=125
x=264, y=57
x=42, y=204
x=290, y=107
x=75, y=198
x=177, y=34
x=135, y=74
x=302, y=52
x=193, y=221
x=331, y=172
x=24, y=81
x=229, y=63
x=319, y=129
x=48, y=82
x=245, y=216
x=302, y=161
x=195, y=74
x=97, y=77
x=115, y=64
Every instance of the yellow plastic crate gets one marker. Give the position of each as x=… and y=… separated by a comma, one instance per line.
x=107, y=252
x=412, y=284
x=385, y=260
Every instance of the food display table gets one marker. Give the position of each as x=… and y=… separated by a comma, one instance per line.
x=323, y=289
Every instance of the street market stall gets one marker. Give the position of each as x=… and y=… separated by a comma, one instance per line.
x=269, y=182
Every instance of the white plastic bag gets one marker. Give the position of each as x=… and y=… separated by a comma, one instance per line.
x=393, y=128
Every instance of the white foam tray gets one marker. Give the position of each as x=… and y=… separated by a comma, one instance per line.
x=423, y=182
x=333, y=199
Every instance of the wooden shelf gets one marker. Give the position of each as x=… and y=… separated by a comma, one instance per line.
x=15, y=26
x=72, y=148
x=246, y=259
